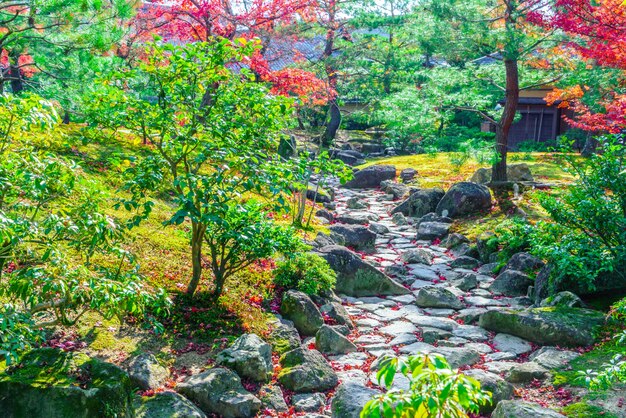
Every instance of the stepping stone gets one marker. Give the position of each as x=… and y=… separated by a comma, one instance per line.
x=511, y=344
x=418, y=284
x=480, y=347
x=367, y=322
x=526, y=372
x=433, y=322
x=459, y=356
x=482, y=301
x=372, y=300
x=440, y=312
x=437, y=297
x=405, y=299
x=398, y=327
x=470, y=315
x=453, y=342
x=552, y=358
x=423, y=273
x=403, y=339
x=471, y=332
x=499, y=356
x=370, y=339
x=432, y=335
x=417, y=348
x=352, y=375
x=389, y=314
x=351, y=360
x=498, y=367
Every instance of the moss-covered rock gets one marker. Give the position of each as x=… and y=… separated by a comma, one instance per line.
x=306, y=371
x=51, y=383
x=569, y=327
x=166, y=405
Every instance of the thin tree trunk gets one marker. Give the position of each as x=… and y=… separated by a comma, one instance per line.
x=197, y=235
x=332, y=126
x=591, y=144
x=15, y=75
x=508, y=115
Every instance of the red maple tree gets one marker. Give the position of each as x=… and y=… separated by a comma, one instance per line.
x=599, y=27
x=273, y=22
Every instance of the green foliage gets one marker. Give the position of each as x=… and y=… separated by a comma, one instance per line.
x=60, y=256
x=213, y=136
x=306, y=272
x=435, y=390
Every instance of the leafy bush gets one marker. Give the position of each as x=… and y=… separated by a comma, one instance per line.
x=435, y=390
x=306, y=272
x=533, y=146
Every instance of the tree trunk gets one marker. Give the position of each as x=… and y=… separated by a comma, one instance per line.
x=15, y=74
x=219, y=285
x=591, y=144
x=511, y=99
x=332, y=126
x=197, y=235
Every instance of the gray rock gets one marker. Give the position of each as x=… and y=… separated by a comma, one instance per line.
x=323, y=213
x=454, y=240
x=437, y=297
x=465, y=198
x=397, y=190
x=219, y=391
x=250, y=357
x=355, y=236
x=511, y=283
x=272, y=398
x=500, y=389
x=523, y=409
x=524, y=262
x=408, y=174
x=356, y=277
x=399, y=219
x=146, y=372
x=459, y=356
x=471, y=332
x=356, y=203
x=465, y=262
x=570, y=327
x=378, y=228
x=514, y=172
x=465, y=281
x=371, y=177
x=357, y=218
x=511, y=344
x=552, y=358
x=306, y=371
x=284, y=336
x=330, y=341
x=338, y=313
x=432, y=230
x=299, y=308
x=471, y=315
x=322, y=240
x=563, y=299
x=432, y=335
x=308, y=402
x=418, y=256
x=420, y=202
x=526, y=372
x=350, y=398
x=166, y=405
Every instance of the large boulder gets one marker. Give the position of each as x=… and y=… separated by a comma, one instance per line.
x=306, y=371
x=523, y=409
x=356, y=277
x=329, y=341
x=146, y=372
x=355, y=236
x=284, y=336
x=350, y=398
x=432, y=230
x=523, y=262
x=249, y=356
x=571, y=327
x=219, y=391
x=514, y=172
x=55, y=384
x=420, y=202
x=511, y=283
x=166, y=405
x=500, y=389
x=371, y=177
x=397, y=190
x=357, y=218
x=299, y=308
x=465, y=198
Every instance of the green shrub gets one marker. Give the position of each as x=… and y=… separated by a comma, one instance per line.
x=435, y=390
x=306, y=272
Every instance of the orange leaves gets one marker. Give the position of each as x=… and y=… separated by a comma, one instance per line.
x=565, y=95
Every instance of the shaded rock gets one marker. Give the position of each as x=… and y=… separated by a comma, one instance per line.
x=524, y=262
x=357, y=218
x=454, y=240
x=522, y=409
x=511, y=283
x=437, y=297
x=371, y=177
x=299, y=308
x=318, y=194
x=500, y=389
x=551, y=358
x=355, y=236
x=459, y=356
x=166, y=405
x=511, y=344
x=219, y=391
x=306, y=371
x=356, y=203
x=465, y=262
x=338, y=313
x=420, y=202
x=432, y=230
x=322, y=240
x=397, y=190
x=408, y=174
x=431, y=335
x=563, y=299
x=418, y=256
x=399, y=219
x=271, y=397
x=465, y=198
x=526, y=372
x=108, y=389
x=330, y=341
x=570, y=327
x=486, y=245
x=378, y=228
x=249, y=356
x=146, y=372
x=308, y=402
x=284, y=336
x=465, y=281
x=350, y=398
x=356, y=277
x=323, y=213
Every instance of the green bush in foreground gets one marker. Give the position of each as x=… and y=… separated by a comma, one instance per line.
x=306, y=272
x=435, y=390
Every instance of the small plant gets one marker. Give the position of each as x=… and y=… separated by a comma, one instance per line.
x=306, y=272
x=435, y=390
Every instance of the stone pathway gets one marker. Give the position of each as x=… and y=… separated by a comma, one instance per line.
x=448, y=294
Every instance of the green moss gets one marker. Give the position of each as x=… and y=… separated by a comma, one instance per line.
x=281, y=346
x=593, y=359
x=584, y=410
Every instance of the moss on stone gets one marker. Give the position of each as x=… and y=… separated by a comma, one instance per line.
x=584, y=410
